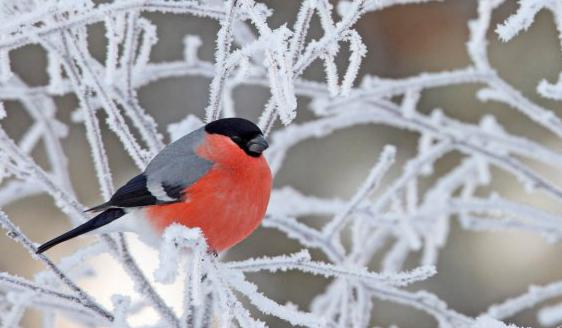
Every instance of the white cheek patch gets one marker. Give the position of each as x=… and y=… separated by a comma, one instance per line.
x=156, y=189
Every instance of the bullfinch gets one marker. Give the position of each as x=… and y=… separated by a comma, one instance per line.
x=214, y=178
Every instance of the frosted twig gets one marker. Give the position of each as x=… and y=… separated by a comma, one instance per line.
x=93, y=132
x=101, y=11
x=142, y=284
x=301, y=261
x=426, y=302
x=121, y=306
x=412, y=212
x=142, y=121
x=306, y=236
x=75, y=210
x=550, y=315
x=224, y=41
x=535, y=295
x=521, y=20
x=271, y=264
x=371, y=182
x=19, y=303
x=317, y=49
x=9, y=282
x=115, y=119
x=268, y=306
x=14, y=233
x=301, y=27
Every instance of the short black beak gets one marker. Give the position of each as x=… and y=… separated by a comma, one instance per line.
x=257, y=145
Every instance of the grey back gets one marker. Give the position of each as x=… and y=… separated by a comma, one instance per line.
x=178, y=164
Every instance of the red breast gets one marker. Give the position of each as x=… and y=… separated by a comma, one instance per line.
x=228, y=203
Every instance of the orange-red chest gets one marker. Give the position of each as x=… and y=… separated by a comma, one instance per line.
x=228, y=203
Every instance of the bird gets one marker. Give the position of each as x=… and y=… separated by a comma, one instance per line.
x=215, y=178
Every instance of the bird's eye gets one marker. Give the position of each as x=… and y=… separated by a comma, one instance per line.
x=236, y=139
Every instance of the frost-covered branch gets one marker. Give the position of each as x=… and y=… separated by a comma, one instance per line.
x=86, y=300
x=401, y=210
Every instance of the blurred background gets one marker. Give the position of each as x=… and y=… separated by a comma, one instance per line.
x=475, y=269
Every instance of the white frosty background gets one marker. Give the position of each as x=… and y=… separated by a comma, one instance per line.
x=417, y=160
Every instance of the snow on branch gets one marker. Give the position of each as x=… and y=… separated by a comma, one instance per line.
x=389, y=218
x=535, y=295
x=86, y=300
x=522, y=19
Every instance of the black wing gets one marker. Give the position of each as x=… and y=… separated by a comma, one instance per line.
x=135, y=193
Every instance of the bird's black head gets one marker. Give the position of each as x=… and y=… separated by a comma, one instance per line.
x=244, y=133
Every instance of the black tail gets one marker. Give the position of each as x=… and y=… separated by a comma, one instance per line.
x=99, y=220
x=99, y=208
